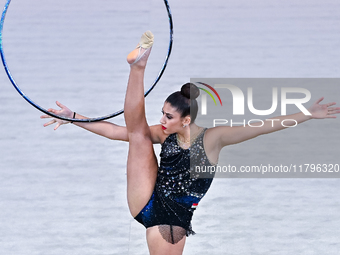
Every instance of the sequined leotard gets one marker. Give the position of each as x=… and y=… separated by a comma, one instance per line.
x=176, y=193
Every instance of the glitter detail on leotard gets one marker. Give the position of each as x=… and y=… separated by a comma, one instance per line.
x=176, y=194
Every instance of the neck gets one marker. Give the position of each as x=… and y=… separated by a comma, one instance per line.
x=184, y=135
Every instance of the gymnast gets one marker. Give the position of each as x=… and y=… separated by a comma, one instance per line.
x=163, y=198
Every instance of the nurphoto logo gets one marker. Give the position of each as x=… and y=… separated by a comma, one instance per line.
x=238, y=103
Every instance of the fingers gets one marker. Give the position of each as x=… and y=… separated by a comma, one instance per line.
x=57, y=112
x=319, y=100
x=330, y=104
x=333, y=108
x=60, y=104
x=49, y=116
x=45, y=116
x=50, y=122
x=63, y=112
x=58, y=125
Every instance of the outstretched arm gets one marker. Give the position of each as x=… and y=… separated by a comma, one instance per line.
x=102, y=128
x=223, y=136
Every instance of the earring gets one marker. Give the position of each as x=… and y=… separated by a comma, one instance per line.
x=185, y=125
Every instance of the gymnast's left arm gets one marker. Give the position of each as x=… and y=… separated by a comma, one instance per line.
x=223, y=136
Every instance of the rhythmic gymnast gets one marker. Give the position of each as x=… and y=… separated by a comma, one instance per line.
x=163, y=198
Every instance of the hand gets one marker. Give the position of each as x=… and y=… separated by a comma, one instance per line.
x=64, y=112
x=322, y=111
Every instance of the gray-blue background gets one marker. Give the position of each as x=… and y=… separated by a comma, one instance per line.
x=64, y=192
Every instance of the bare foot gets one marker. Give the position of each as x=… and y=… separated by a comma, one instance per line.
x=140, y=54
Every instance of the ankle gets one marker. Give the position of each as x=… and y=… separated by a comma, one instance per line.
x=137, y=67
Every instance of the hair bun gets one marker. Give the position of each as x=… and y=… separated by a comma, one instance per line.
x=190, y=90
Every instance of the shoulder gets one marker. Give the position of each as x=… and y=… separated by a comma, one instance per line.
x=215, y=137
x=216, y=132
x=157, y=134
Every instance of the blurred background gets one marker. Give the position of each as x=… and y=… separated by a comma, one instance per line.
x=64, y=191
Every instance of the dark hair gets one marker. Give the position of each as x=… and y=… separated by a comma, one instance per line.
x=185, y=101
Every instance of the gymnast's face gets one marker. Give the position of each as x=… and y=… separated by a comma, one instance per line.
x=171, y=120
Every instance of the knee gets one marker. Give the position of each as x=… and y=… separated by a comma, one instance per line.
x=143, y=135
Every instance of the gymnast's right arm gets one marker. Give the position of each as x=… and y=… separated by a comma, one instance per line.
x=103, y=128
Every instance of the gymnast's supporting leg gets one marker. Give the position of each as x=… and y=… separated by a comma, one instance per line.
x=159, y=246
x=142, y=162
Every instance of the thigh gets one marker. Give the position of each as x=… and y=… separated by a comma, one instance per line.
x=159, y=246
x=142, y=169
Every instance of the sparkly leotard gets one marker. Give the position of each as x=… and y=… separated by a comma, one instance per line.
x=176, y=192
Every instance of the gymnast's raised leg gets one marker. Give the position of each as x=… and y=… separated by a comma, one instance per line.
x=142, y=163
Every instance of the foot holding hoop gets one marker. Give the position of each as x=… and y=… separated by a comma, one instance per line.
x=142, y=51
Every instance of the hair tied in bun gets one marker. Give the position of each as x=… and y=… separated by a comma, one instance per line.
x=190, y=91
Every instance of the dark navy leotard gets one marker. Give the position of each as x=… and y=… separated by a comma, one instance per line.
x=177, y=190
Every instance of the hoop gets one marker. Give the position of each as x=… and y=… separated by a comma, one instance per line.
x=81, y=120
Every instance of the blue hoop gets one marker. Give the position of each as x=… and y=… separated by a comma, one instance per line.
x=81, y=120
